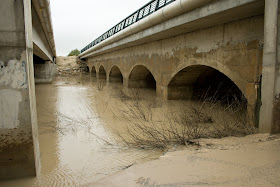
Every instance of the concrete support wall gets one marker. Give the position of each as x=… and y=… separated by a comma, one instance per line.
x=44, y=73
x=19, y=148
x=270, y=92
x=234, y=49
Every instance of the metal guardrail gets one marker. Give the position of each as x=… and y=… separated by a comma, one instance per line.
x=141, y=13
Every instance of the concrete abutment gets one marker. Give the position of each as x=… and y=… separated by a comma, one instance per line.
x=44, y=71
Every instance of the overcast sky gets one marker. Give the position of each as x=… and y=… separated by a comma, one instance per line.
x=78, y=22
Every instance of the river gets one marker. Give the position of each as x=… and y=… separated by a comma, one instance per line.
x=76, y=144
x=83, y=121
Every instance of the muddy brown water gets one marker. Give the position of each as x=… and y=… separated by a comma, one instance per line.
x=73, y=136
x=77, y=120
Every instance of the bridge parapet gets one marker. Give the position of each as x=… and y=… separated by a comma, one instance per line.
x=153, y=13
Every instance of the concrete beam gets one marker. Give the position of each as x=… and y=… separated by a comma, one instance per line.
x=41, y=44
x=42, y=8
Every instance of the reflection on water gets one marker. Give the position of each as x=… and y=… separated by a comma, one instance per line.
x=74, y=135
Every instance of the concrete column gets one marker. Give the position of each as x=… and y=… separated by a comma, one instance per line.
x=269, y=120
x=162, y=91
x=90, y=78
x=89, y=71
x=19, y=148
x=97, y=75
x=107, y=78
x=125, y=82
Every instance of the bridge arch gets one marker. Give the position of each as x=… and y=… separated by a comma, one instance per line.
x=101, y=72
x=141, y=77
x=204, y=81
x=240, y=82
x=115, y=74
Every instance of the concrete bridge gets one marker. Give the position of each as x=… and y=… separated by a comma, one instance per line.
x=26, y=41
x=189, y=46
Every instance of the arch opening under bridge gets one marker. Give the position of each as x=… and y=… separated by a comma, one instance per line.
x=102, y=72
x=115, y=74
x=202, y=82
x=93, y=71
x=141, y=77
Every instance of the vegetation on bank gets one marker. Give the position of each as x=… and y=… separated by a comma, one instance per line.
x=74, y=52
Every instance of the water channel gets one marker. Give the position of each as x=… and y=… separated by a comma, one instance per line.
x=73, y=135
x=81, y=119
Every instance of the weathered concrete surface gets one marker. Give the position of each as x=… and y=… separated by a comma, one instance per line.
x=270, y=109
x=19, y=149
x=234, y=49
x=44, y=73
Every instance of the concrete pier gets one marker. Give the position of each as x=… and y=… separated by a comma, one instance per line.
x=19, y=148
x=270, y=90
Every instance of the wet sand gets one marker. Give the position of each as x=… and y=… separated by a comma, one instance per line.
x=252, y=161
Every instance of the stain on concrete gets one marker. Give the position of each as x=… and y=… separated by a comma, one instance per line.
x=9, y=108
x=13, y=75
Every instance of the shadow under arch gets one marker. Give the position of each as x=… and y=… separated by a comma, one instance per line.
x=102, y=72
x=115, y=74
x=202, y=82
x=93, y=71
x=141, y=77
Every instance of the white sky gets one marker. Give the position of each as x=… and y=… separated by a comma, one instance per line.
x=78, y=22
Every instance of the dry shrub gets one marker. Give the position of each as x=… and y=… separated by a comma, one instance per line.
x=125, y=95
x=206, y=119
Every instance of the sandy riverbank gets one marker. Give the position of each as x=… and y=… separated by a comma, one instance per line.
x=253, y=160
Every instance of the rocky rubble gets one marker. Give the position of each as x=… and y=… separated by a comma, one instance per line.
x=70, y=65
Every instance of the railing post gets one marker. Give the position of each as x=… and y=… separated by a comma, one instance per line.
x=157, y=5
x=137, y=18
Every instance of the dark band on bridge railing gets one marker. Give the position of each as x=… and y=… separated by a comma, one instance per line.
x=141, y=13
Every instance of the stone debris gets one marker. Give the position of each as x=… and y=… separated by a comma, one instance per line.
x=70, y=65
